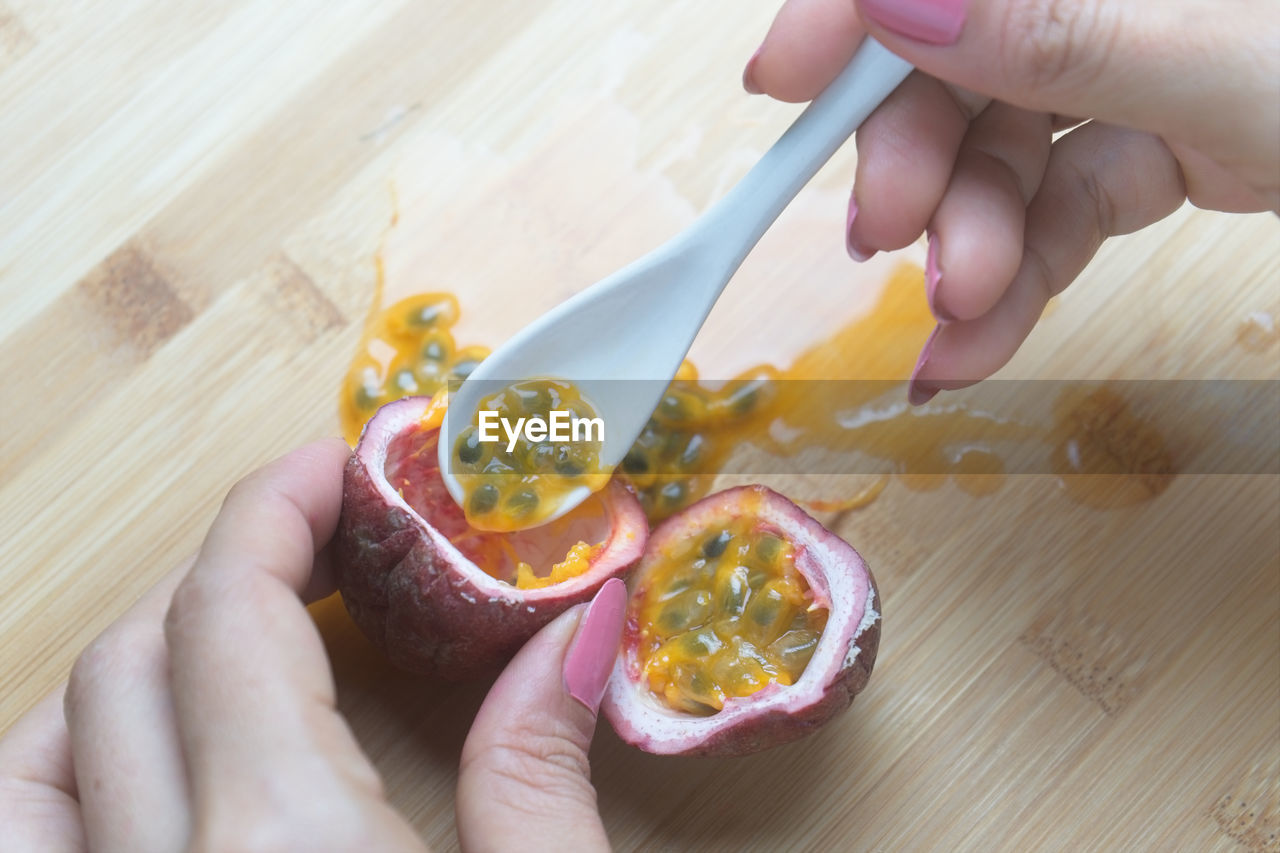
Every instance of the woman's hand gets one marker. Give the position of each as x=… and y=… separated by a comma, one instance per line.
x=1185, y=101
x=204, y=718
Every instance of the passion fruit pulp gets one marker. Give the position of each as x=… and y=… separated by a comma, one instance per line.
x=517, y=481
x=750, y=625
x=434, y=593
x=694, y=428
x=723, y=616
x=408, y=350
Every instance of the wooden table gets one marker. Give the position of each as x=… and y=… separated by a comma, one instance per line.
x=191, y=198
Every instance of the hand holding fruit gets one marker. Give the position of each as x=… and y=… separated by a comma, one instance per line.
x=204, y=718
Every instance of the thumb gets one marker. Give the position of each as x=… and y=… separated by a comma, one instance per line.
x=1188, y=69
x=524, y=781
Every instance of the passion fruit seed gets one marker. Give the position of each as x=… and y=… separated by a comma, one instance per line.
x=732, y=590
x=672, y=408
x=569, y=468
x=534, y=397
x=768, y=548
x=674, y=495
x=541, y=458
x=469, y=448
x=430, y=310
x=483, y=499
x=432, y=374
x=368, y=399
x=723, y=617
x=462, y=369
x=435, y=351
x=427, y=316
x=688, y=610
x=691, y=452
x=526, y=481
x=404, y=382
x=772, y=610
x=635, y=463
x=741, y=398
x=795, y=648
x=714, y=546
x=522, y=503
x=570, y=460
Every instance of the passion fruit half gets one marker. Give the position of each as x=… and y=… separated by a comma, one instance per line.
x=434, y=593
x=749, y=625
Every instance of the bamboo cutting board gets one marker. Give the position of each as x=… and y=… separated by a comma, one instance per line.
x=191, y=199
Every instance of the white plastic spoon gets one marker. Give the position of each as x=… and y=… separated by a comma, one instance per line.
x=622, y=339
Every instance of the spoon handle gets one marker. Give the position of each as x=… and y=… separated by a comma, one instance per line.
x=738, y=220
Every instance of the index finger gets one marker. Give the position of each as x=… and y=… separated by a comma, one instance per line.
x=808, y=44
x=253, y=691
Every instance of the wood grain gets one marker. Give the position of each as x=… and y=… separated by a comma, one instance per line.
x=191, y=199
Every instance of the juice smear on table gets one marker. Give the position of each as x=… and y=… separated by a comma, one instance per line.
x=842, y=399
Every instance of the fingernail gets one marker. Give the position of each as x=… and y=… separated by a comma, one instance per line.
x=748, y=74
x=930, y=21
x=931, y=276
x=856, y=250
x=595, y=648
x=919, y=393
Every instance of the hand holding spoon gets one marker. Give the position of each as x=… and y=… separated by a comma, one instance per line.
x=639, y=322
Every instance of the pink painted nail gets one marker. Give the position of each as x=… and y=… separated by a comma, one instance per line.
x=748, y=74
x=856, y=250
x=930, y=21
x=919, y=393
x=590, y=659
x=931, y=276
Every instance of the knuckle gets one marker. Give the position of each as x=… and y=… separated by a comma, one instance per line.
x=287, y=825
x=186, y=599
x=1097, y=202
x=1054, y=43
x=263, y=835
x=246, y=487
x=549, y=761
x=363, y=776
x=122, y=654
x=191, y=598
x=252, y=492
x=120, y=647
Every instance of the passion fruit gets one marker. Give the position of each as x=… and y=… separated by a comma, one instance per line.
x=439, y=596
x=749, y=625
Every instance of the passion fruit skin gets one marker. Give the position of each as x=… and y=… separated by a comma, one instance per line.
x=829, y=690
x=423, y=603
